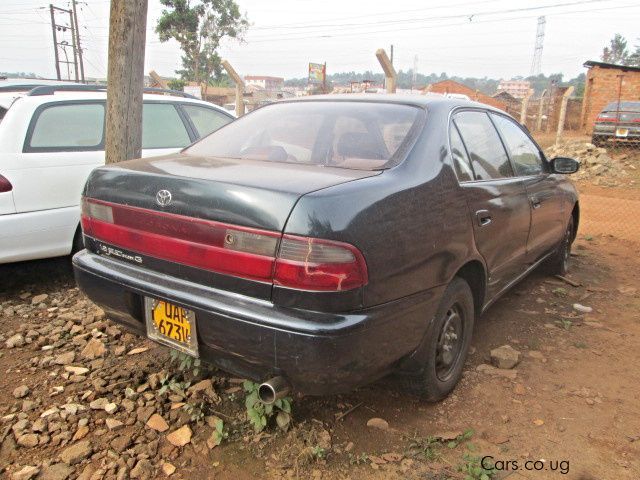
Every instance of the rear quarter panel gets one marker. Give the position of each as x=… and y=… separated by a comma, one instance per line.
x=411, y=223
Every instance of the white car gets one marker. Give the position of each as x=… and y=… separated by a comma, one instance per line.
x=52, y=137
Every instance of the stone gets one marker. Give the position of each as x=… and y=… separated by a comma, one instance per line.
x=99, y=403
x=496, y=372
x=21, y=391
x=93, y=349
x=120, y=444
x=28, y=440
x=180, y=437
x=65, y=358
x=113, y=424
x=76, y=370
x=142, y=470
x=57, y=471
x=14, y=341
x=82, y=432
x=168, y=469
x=505, y=357
x=26, y=473
x=40, y=425
x=144, y=413
x=111, y=408
x=157, y=423
x=378, y=423
x=582, y=308
x=38, y=299
x=76, y=452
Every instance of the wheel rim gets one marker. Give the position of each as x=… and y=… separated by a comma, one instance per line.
x=449, y=345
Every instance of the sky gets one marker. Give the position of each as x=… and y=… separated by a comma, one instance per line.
x=468, y=38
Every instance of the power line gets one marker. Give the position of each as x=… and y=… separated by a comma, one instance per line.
x=468, y=16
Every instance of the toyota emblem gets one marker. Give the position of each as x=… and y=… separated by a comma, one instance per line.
x=163, y=198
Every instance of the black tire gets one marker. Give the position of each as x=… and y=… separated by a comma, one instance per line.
x=78, y=243
x=440, y=370
x=558, y=263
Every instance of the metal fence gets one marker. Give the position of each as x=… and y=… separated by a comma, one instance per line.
x=608, y=180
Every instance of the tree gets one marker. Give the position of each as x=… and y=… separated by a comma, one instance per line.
x=199, y=26
x=634, y=58
x=616, y=52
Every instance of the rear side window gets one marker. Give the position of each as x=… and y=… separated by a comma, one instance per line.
x=69, y=126
x=524, y=154
x=344, y=134
x=488, y=156
x=162, y=127
x=460, y=158
x=206, y=120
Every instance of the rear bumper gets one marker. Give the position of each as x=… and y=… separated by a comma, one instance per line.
x=318, y=353
x=610, y=132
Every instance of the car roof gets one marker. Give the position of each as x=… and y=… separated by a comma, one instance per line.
x=423, y=101
x=624, y=105
x=71, y=95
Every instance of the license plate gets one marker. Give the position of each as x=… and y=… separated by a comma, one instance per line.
x=171, y=325
x=622, y=132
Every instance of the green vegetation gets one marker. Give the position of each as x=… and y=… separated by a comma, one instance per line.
x=260, y=414
x=199, y=26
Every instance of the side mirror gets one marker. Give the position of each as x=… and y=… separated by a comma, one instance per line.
x=564, y=165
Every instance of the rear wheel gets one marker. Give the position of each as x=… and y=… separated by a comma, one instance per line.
x=444, y=348
x=558, y=264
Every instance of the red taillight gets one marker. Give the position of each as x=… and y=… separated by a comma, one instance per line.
x=290, y=261
x=5, y=185
x=311, y=264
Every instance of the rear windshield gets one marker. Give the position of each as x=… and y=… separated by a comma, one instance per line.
x=624, y=106
x=354, y=135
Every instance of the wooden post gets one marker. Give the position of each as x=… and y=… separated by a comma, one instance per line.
x=525, y=106
x=563, y=113
x=239, y=87
x=540, y=109
x=161, y=82
x=125, y=85
x=389, y=71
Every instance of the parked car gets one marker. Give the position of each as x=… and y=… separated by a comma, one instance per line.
x=328, y=240
x=617, y=122
x=51, y=138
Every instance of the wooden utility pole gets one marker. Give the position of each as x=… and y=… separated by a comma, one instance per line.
x=75, y=24
x=239, y=87
x=55, y=42
x=125, y=80
x=389, y=71
x=563, y=113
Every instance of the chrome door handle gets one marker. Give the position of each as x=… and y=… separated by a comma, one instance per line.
x=535, y=202
x=483, y=217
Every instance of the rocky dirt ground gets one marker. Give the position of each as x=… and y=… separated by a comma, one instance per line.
x=81, y=398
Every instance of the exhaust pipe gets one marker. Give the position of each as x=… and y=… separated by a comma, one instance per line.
x=273, y=389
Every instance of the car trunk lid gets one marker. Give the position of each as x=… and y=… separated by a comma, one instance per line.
x=186, y=215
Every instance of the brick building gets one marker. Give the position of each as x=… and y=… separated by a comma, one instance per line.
x=450, y=86
x=607, y=83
